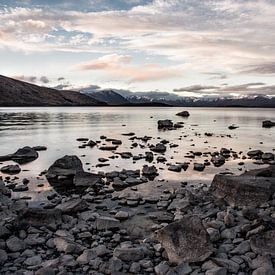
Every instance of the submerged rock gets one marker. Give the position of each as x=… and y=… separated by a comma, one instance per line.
x=268, y=124
x=24, y=155
x=185, y=240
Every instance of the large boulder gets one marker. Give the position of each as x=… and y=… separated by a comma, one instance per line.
x=264, y=243
x=11, y=169
x=65, y=166
x=244, y=190
x=268, y=124
x=185, y=240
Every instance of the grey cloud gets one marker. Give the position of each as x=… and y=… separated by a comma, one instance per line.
x=60, y=78
x=31, y=78
x=44, y=80
x=268, y=68
x=195, y=88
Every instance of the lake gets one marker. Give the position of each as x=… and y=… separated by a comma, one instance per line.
x=59, y=127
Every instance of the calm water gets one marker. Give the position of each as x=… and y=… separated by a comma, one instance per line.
x=58, y=129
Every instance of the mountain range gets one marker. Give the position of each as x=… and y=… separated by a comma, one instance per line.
x=18, y=93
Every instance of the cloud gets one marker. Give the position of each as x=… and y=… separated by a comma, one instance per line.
x=60, y=78
x=247, y=89
x=31, y=79
x=268, y=68
x=118, y=66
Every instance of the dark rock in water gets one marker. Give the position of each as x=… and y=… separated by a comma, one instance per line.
x=82, y=139
x=232, y=127
x=158, y=148
x=225, y=152
x=165, y=124
x=128, y=134
x=40, y=148
x=6, y=157
x=199, y=166
x=243, y=190
x=72, y=206
x=268, y=124
x=255, y=153
x=38, y=217
x=185, y=240
x=149, y=171
x=149, y=156
x=11, y=169
x=183, y=114
x=91, y=143
x=20, y=188
x=65, y=166
x=264, y=243
x=267, y=156
x=218, y=160
x=24, y=155
x=108, y=147
x=175, y=168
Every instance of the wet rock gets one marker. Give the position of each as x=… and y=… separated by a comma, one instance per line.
x=199, y=166
x=24, y=155
x=183, y=114
x=20, y=188
x=72, y=206
x=242, y=190
x=40, y=148
x=149, y=171
x=65, y=166
x=108, y=147
x=255, y=153
x=165, y=124
x=264, y=243
x=268, y=124
x=232, y=127
x=158, y=148
x=185, y=240
x=218, y=160
x=11, y=169
x=149, y=156
x=267, y=156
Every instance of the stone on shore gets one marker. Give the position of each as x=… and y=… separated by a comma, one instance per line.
x=183, y=114
x=11, y=169
x=165, y=124
x=24, y=155
x=185, y=240
x=268, y=124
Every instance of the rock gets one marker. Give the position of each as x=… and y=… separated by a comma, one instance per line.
x=86, y=256
x=162, y=268
x=45, y=271
x=255, y=153
x=108, y=147
x=3, y=256
x=217, y=271
x=183, y=269
x=165, y=124
x=4, y=232
x=149, y=171
x=130, y=254
x=65, y=166
x=14, y=244
x=232, y=127
x=91, y=143
x=268, y=124
x=33, y=261
x=242, y=190
x=242, y=248
x=107, y=223
x=122, y=215
x=199, y=166
x=20, y=188
x=38, y=217
x=149, y=156
x=39, y=148
x=66, y=245
x=218, y=160
x=183, y=114
x=11, y=169
x=267, y=156
x=24, y=155
x=230, y=265
x=72, y=206
x=174, y=168
x=85, y=179
x=158, y=148
x=185, y=240
x=264, y=243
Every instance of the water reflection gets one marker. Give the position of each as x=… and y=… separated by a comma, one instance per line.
x=58, y=128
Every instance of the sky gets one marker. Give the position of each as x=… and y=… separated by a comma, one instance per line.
x=188, y=47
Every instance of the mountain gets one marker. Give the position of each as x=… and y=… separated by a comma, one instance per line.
x=18, y=93
x=109, y=96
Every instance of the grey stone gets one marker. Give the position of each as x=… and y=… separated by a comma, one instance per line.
x=14, y=244
x=107, y=223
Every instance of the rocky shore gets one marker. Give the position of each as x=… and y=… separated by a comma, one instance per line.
x=104, y=223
